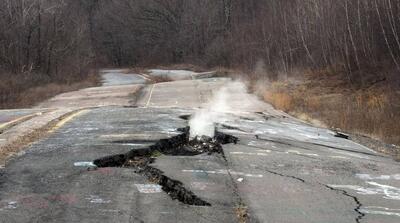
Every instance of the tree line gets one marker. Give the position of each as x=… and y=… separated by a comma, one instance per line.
x=45, y=36
x=350, y=36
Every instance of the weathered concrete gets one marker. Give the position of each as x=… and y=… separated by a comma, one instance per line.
x=116, y=90
x=281, y=170
x=94, y=97
x=118, y=77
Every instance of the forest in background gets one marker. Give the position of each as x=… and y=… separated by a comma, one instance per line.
x=348, y=36
x=45, y=49
x=45, y=36
x=58, y=42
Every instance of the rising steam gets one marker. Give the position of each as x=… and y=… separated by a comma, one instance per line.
x=230, y=99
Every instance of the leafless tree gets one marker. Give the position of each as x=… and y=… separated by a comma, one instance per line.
x=350, y=36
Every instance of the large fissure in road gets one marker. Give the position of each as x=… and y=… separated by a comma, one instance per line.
x=181, y=145
x=358, y=207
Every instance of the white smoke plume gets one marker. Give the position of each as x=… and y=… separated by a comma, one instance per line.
x=231, y=99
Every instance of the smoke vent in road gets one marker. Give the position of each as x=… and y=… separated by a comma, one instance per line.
x=181, y=145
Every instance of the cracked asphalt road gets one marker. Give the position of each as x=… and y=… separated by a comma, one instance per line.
x=281, y=170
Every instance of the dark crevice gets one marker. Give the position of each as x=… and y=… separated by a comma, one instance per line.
x=185, y=117
x=341, y=135
x=287, y=176
x=175, y=189
x=242, y=211
x=359, y=205
x=181, y=145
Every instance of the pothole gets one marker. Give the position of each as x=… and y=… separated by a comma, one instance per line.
x=181, y=145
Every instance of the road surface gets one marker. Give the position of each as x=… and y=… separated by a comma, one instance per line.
x=281, y=170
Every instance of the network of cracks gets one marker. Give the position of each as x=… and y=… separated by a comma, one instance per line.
x=140, y=161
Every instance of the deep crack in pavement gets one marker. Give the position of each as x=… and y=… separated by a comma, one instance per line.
x=282, y=170
x=359, y=205
x=181, y=145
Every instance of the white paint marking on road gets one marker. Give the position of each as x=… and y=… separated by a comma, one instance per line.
x=133, y=144
x=254, y=143
x=240, y=180
x=225, y=172
x=382, y=208
x=391, y=192
x=172, y=132
x=300, y=153
x=264, y=150
x=380, y=211
x=95, y=199
x=388, y=192
x=110, y=210
x=84, y=164
x=381, y=177
x=137, y=136
x=249, y=154
x=339, y=157
x=150, y=95
x=144, y=77
x=349, y=154
x=10, y=205
x=149, y=188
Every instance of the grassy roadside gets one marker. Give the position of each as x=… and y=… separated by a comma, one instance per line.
x=26, y=90
x=326, y=100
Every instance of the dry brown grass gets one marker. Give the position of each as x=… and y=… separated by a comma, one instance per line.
x=160, y=79
x=242, y=213
x=136, y=70
x=225, y=72
x=281, y=101
x=220, y=71
x=184, y=66
x=23, y=91
x=372, y=112
x=191, y=67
